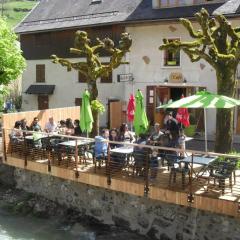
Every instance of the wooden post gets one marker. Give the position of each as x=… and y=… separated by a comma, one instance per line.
x=76, y=159
x=48, y=155
x=25, y=151
x=108, y=167
x=4, y=145
x=146, y=186
x=190, y=197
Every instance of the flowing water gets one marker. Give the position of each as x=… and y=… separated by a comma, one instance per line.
x=15, y=227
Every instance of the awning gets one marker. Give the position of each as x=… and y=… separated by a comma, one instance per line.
x=40, y=89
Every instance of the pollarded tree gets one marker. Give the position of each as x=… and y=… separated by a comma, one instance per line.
x=92, y=68
x=218, y=43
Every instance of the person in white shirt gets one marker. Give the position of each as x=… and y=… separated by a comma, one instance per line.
x=51, y=126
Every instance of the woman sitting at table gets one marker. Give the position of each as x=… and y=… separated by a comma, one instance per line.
x=17, y=134
x=113, y=136
x=62, y=127
x=125, y=135
x=69, y=127
x=77, y=129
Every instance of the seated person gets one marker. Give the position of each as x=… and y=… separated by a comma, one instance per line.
x=77, y=129
x=125, y=135
x=50, y=126
x=35, y=125
x=101, y=147
x=155, y=136
x=113, y=137
x=69, y=127
x=24, y=125
x=62, y=127
x=37, y=135
x=139, y=154
x=17, y=134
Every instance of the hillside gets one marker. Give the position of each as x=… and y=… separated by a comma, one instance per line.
x=14, y=11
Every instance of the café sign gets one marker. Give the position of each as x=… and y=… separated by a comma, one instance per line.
x=176, y=77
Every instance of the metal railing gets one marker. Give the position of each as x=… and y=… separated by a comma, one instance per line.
x=192, y=172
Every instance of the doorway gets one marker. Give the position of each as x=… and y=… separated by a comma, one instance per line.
x=43, y=102
x=176, y=93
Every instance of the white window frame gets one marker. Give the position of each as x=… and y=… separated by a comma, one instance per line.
x=180, y=55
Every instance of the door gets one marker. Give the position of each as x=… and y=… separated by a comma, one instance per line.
x=115, y=114
x=43, y=102
x=162, y=96
x=150, y=104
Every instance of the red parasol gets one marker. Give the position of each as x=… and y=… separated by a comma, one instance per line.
x=183, y=116
x=131, y=108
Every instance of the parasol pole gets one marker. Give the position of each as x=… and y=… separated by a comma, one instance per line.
x=205, y=126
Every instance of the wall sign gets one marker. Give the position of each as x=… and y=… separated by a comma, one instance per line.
x=176, y=77
x=125, y=77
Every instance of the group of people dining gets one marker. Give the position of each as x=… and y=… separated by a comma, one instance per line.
x=171, y=136
x=65, y=127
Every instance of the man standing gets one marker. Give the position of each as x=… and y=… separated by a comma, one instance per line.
x=173, y=128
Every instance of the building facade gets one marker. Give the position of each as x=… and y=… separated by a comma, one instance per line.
x=161, y=75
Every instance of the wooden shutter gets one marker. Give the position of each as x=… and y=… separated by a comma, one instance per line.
x=78, y=101
x=40, y=73
x=43, y=102
x=107, y=79
x=81, y=78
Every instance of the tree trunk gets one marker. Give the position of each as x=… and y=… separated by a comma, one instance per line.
x=224, y=121
x=92, y=88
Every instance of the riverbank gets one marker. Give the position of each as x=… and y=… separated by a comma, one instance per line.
x=39, y=215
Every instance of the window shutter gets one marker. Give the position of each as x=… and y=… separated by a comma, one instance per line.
x=81, y=78
x=107, y=79
x=78, y=101
x=40, y=73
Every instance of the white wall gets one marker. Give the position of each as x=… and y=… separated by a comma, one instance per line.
x=146, y=41
x=67, y=86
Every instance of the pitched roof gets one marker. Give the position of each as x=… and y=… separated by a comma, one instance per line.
x=60, y=14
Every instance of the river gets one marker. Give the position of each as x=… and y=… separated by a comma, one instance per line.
x=17, y=227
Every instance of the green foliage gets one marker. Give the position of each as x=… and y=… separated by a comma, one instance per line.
x=4, y=92
x=97, y=106
x=12, y=62
x=14, y=11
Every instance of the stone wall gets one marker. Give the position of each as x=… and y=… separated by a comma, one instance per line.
x=156, y=219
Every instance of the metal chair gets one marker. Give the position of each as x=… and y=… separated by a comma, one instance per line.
x=222, y=171
x=175, y=167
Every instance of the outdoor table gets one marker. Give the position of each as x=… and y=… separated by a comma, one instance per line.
x=72, y=143
x=204, y=161
x=125, y=152
x=122, y=150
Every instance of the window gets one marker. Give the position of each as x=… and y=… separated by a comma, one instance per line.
x=178, y=3
x=107, y=79
x=171, y=59
x=78, y=101
x=96, y=1
x=82, y=78
x=40, y=73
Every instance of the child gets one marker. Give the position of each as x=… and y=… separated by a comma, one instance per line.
x=181, y=142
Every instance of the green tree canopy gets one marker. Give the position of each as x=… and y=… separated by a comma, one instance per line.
x=12, y=63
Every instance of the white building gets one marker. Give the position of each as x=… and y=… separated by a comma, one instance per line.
x=49, y=29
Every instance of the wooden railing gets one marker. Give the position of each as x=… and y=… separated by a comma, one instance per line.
x=152, y=171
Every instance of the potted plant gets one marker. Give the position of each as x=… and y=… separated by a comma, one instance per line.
x=191, y=130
